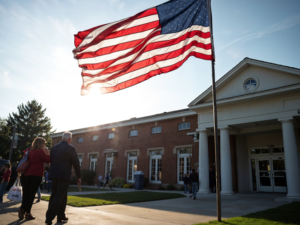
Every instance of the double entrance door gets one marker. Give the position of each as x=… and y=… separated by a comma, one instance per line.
x=271, y=176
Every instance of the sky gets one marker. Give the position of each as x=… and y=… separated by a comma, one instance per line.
x=36, y=59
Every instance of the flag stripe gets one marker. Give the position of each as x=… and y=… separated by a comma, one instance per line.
x=167, y=43
x=160, y=62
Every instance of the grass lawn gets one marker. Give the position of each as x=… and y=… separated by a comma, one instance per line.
x=285, y=214
x=117, y=198
x=75, y=189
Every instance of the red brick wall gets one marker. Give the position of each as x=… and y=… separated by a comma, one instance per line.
x=169, y=138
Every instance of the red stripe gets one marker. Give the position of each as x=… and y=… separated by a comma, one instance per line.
x=111, y=29
x=147, y=62
x=80, y=36
x=129, y=83
x=128, y=31
x=149, y=47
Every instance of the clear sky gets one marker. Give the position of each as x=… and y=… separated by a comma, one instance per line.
x=36, y=60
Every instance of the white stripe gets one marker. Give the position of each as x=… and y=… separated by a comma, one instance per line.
x=151, y=53
x=91, y=36
x=140, y=21
x=121, y=39
x=111, y=42
x=145, y=70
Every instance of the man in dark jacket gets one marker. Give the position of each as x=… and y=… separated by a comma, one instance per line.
x=63, y=157
x=186, y=181
x=194, y=178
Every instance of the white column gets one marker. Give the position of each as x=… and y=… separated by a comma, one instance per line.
x=292, y=167
x=225, y=155
x=203, y=163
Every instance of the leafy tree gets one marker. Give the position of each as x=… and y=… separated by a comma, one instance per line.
x=4, y=139
x=31, y=122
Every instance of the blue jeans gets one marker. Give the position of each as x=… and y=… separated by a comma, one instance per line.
x=194, y=188
x=49, y=186
x=186, y=188
x=39, y=193
x=2, y=190
x=99, y=184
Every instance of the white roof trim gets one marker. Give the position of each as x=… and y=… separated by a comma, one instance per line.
x=124, y=123
x=238, y=68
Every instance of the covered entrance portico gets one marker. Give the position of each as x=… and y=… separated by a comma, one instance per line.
x=258, y=129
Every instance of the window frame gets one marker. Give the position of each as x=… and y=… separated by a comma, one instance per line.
x=108, y=136
x=137, y=133
x=95, y=136
x=78, y=140
x=184, y=124
x=152, y=128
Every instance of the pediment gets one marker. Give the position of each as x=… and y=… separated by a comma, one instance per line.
x=265, y=76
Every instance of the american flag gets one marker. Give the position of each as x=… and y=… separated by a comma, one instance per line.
x=158, y=40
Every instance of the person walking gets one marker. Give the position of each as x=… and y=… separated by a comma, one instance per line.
x=48, y=183
x=99, y=181
x=63, y=157
x=13, y=178
x=186, y=181
x=212, y=180
x=39, y=194
x=194, y=179
x=107, y=178
x=37, y=156
x=5, y=180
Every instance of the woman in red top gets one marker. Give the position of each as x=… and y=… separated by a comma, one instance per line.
x=5, y=180
x=37, y=156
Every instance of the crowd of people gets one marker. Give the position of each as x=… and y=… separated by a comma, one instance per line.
x=57, y=179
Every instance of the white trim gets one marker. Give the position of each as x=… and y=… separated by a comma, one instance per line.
x=93, y=153
x=160, y=117
x=132, y=150
x=109, y=151
x=158, y=148
x=181, y=146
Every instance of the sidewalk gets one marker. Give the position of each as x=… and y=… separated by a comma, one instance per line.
x=172, y=211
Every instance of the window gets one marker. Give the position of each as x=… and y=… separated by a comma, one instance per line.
x=80, y=139
x=133, y=133
x=266, y=151
x=111, y=135
x=93, y=162
x=95, y=137
x=183, y=126
x=109, y=164
x=155, y=130
x=80, y=159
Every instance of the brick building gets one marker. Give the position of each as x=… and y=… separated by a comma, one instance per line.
x=259, y=123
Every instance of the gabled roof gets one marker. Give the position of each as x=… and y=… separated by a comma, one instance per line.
x=246, y=62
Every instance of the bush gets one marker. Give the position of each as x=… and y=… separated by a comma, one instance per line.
x=118, y=182
x=161, y=188
x=170, y=187
x=88, y=176
x=181, y=188
x=146, y=181
x=127, y=186
x=73, y=180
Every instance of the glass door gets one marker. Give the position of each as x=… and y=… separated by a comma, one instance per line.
x=109, y=164
x=264, y=175
x=184, y=164
x=131, y=166
x=279, y=175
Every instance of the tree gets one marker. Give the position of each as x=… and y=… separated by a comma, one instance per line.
x=31, y=122
x=4, y=139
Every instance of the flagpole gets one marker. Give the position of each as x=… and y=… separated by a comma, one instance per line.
x=216, y=137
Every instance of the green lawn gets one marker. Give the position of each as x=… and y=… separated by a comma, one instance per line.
x=286, y=214
x=117, y=198
x=75, y=189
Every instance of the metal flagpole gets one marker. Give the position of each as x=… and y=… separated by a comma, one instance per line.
x=216, y=137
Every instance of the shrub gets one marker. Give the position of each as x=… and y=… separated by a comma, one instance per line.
x=127, y=186
x=181, y=188
x=73, y=180
x=88, y=176
x=170, y=187
x=118, y=182
x=146, y=181
x=161, y=188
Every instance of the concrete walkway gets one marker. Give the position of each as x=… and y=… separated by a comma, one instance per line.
x=173, y=211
